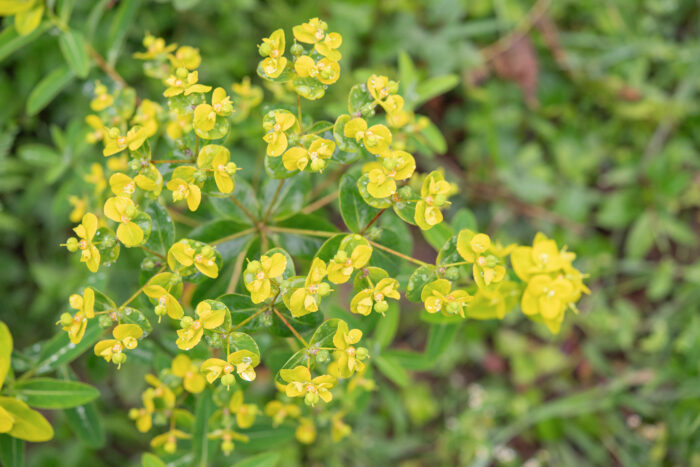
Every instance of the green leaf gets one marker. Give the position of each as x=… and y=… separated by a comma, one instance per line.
x=358, y=98
x=151, y=460
x=387, y=326
x=5, y=351
x=420, y=277
x=408, y=79
x=356, y=213
x=641, y=237
x=74, y=51
x=60, y=350
x=434, y=139
x=29, y=424
x=274, y=166
x=86, y=423
x=241, y=308
x=48, y=88
x=242, y=341
x=11, y=41
x=379, y=203
x=448, y=253
x=347, y=145
x=438, y=235
x=245, y=194
x=162, y=231
x=51, y=393
x=123, y=20
x=391, y=368
x=434, y=87
x=309, y=88
x=131, y=315
x=11, y=449
x=439, y=338
x=202, y=447
x=268, y=459
x=323, y=336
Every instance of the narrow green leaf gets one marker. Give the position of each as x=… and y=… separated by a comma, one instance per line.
x=439, y=338
x=51, y=393
x=124, y=19
x=434, y=87
x=5, y=351
x=11, y=451
x=203, y=410
x=85, y=422
x=11, y=41
x=48, y=88
x=268, y=459
x=151, y=460
x=391, y=368
x=387, y=326
x=72, y=45
x=60, y=351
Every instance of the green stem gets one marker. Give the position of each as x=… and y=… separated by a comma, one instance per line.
x=248, y=319
x=310, y=233
x=374, y=219
x=396, y=253
x=274, y=200
x=250, y=215
x=232, y=236
x=294, y=331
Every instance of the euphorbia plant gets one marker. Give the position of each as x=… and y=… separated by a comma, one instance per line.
x=261, y=262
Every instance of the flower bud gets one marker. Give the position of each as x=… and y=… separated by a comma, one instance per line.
x=134, y=165
x=131, y=211
x=324, y=289
x=440, y=200
x=367, y=110
x=381, y=306
x=362, y=353
x=341, y=256
x=311, y=398
x=72, y=244
x=254, y=267
x=227, y=446
x=119, y=358
x=108, y=241
x=452, y=273
x=186, y=322
x=264, y=49
x=104, y=321
x=113, y=132
x=323, y=356
x=296, y=50
x=160, y=310
x=147, y=264
x=266, y=319
x=374, y=232
x=200, y=176
x=66, y=319
x=181, y=73
x=405, y=192
x=453, y=308
x=231, y=168
x=318, y=165
x=228, y=380
x=207, y=251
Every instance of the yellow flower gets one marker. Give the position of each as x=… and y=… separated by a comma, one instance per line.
x=434, y=193
x=306, y=431
x=143, y=416
x=125, y=337
x=437, y=296
x=376, y=138
x=300, y=384
x=548, y=298
x=115, y=142
x=166, y=302
x=103, y=98
x=279, y=411
x=168, y=440
x=297, y=158
x=185, y=57
x=89, y=254
x=348, y=358
x=99, y=129
x=245, y=413
x=245, y=97
x=273, y=48
x=243, y=361
x=155, y=46
x=147, y=117
x=380, y=87
x=342, y=266
x=96, y=177
x=192, y=380
x=339, y=429
x=122, y=185
x=227, y=436
x=541, y=258
x=215, y=158
x=193, y=329
x=76, y=325
x=149, y=179
x=375, y=298
x=205, y=114
x=275, y=124
x=180, y=124
x=259, y=275
x=393, y=166
x=314, y=32
x=123, y=210
x=183, y=187
x=185, y=83
x=204, y=258
x=305, y=300
x=79, y=207
x=486, y=258
x=325, y=70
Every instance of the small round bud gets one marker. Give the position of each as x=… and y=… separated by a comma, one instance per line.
x=362, y=353
x=453, y=308
x=296, y=50
x=231, y=168
x=381, y=306
x=324, y=289
x=66, y=319
x=134, y=165
x=266, y=319
x=72, y=244
x=207, y=251
x=311, y=398
x=113, y=133
x=228, y=380
x=131, y=211
x=200, y=176
x=147, y=264
x=341, y=256
x=367, y=110
x=374, y=232
x=160, y=310
x=293, y=139
x=186, y=322
x=181, y=73
x=405, y=192
x=440, y=200
x=318, y=165
x=108, y=241
x=452, y=273
x=104, y=321
x=264, y=49
x=119, y=358
x=254, y=266
x=323, y=356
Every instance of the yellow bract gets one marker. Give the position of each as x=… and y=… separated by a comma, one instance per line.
x=165, y=299
x=242, y=361
x=185, y=255
x=185, y=57
x=125, y=337
x=314, y=32
x=392, y=166
x=18, y=420
x=115, y=142
x=341, y=266
x=184, y=368
x=344, y=340
x=298, y=158
x=215, y=158
x=275, y=137
x=85, y=306
x=279, y=411
x=259, y=274
x=193, y=329
x=475, y=248
x=123, y=210
x=325, y=70
x=89, y=254
x=305, y=300
x=300, y=384
x=376, y=138
x=273, y=48
x=183, y=186
x=434, y=193
x=366, y=300
x=245, y=413
x=184, y=83
x=205, y=114
x=437, y=296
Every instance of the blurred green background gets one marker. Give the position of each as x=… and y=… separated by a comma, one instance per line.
x=575, y=118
